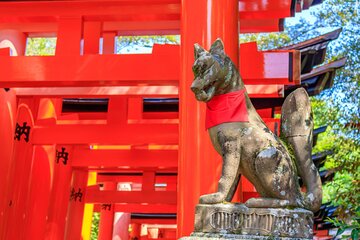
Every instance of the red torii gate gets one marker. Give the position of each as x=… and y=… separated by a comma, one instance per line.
x=35, y=202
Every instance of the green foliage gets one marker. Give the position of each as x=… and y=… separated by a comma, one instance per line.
x=95, y=226
x=339, y=108
x=353, y=226
x=40, y=46
x=144, y=41
x=266, y=40
x=344, y=95
x=344, y=190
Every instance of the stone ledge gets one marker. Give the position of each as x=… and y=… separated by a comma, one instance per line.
x=231, y=219
x=214, y=236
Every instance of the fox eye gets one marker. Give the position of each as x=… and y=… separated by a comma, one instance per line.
x=203, y=68
x=199, y=68
x=196, y=69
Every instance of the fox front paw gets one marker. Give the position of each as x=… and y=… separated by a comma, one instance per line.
x=212, y=198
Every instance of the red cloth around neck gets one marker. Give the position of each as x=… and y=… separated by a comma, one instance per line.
x=229, y=107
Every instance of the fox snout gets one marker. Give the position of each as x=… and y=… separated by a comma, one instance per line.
x=196, y=86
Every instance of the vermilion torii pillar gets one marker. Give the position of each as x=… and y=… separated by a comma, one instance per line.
x=11, y=42
x=199, y=165
x=60, y=194
x=7, y=129
x=75, y=210
x=18, y=189
x=106, y=222
x=41, y=175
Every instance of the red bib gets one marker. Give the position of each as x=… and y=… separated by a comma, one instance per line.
x=229, y=107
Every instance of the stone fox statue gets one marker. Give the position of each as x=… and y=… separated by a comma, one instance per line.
x=247, y=146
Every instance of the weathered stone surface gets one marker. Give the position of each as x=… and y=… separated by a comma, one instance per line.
x=236, y=221
x=214, y=236
x=248, y=148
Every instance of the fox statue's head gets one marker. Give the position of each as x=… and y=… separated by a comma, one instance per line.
x=214, y=72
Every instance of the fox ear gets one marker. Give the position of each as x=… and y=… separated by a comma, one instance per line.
x=217, y=46
x=197, y=50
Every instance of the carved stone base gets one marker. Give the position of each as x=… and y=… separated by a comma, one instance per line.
x=214, y=236
x=236, y=221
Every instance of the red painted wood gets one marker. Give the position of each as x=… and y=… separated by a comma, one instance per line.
x=148, y=182
x=40, y=188
x=260, y=25
x=225, y=25
x=321, y=233
x=127, y=27
x=106, y=222
x=273, y=124
x=117, y=110
x=267, y=13
x=94, y=195
x=89, y=9
x=18, y=186
x=7, y=121
x=160, y=115
x=91, y=117
x=265, y=71
x=135, y=179
x=14, y=43
x=247, y=186
x=258, y=7
x=41, y=178
x=150, y=27
x=141, y=208
x=90, y=70
x=251, y=194
x=132, y=159
x=91, y=36
x=265, y=91
x=259, y=91
x=194, y=30
x=169, y=233
x=5, y=51
x=75, y=211
x=265, y=113
x=135, y=108
x=13, y=39
x=198, y=165
x=151, y=17
x=154, y=221
x=135, y=231
x=68, y=36
x=96, y=70
x=107, y=134
x=108, y=42
x=110, y=10
x=59, y=197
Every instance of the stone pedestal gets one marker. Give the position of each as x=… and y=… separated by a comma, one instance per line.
x=236, y=221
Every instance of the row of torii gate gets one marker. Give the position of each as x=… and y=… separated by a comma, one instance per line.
x=89, y=130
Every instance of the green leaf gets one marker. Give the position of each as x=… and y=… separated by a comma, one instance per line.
x=340, y=231
x=355, y=234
